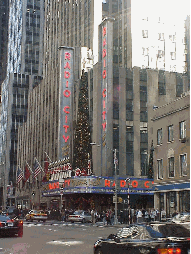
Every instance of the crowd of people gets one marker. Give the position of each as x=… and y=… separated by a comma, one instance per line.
x=125, y=216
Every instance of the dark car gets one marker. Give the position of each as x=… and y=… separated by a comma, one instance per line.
x=10, y=226
x=145, y=239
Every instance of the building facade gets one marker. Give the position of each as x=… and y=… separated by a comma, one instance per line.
x=121, y=102
x=24, y=59
x=4, y=14
x=171, y=144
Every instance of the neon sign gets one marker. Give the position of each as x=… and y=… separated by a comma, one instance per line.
x=66, y=84
x=104, y=75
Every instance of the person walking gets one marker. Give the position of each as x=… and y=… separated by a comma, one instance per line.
x=139, y=216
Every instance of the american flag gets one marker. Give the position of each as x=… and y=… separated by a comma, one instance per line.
x=19, y=175
x=37, y=169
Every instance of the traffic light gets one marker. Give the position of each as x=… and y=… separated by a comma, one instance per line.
x=33, y=193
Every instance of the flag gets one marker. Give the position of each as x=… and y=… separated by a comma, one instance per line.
x=37, y=168
x=19, y=175
x=46, y=164
x=27, y=174
x=47, y=174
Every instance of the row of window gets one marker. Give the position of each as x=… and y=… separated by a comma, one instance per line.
x=171, y=166
x=182, y=133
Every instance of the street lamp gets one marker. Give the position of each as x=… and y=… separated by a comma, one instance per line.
x=128, y=200
x=115, y=162
x=61, y=194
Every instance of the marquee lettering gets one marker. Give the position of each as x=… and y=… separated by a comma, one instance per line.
x=104, y=74
x=134, y=184
x=67, y=55
x=65, y=138
x=67, y=66
x=146, y=184
x=66, y=93
x=65, y=109
x=66, y=74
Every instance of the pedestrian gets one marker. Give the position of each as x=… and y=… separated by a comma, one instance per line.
x=108, y=217
x=104, y=217
x=153, y=214
x=139, y=216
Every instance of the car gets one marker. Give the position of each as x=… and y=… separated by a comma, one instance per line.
x=10, y=226
x=161, y=238
x=181, y=218
x=80, y=216
x=38, y=215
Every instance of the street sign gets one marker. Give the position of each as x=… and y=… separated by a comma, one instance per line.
x=117, y=200
x=114, y=199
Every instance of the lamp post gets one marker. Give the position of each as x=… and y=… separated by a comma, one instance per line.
x=128, y=200
x=61, y=194
x=115, y=163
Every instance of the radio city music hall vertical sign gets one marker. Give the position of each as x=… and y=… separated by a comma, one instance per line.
x=104, y=83
x=65, y=100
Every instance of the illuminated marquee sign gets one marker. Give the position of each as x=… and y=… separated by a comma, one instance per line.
x=66, y=85
x=100, y=185
x=104, y=81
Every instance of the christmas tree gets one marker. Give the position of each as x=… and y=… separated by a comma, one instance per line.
x=150, y=166
x=82, y=138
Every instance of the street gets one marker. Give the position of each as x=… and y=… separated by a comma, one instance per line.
x=56, y=237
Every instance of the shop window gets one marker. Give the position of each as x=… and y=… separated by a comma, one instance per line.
x=159, y=136
x=170, y=133
x=160, y=168
x=183, y=164
x=171, y=166
x=182, y=129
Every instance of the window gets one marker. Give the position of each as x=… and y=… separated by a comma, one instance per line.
x=145, y=33
x=182, y=128
x=160, y=169
x=159, y=136
x=183, y=165
x=173, y=55
x=171, y=166
x=170, y=133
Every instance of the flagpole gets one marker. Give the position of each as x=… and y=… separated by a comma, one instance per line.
x=48, y=157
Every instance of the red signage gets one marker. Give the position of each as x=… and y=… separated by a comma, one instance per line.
x=104, y=75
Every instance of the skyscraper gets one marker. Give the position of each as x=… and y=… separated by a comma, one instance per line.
x=4, y=14
x=24, y=71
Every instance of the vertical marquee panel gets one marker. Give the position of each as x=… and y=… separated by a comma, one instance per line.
x=107, y=96
x=65, y=101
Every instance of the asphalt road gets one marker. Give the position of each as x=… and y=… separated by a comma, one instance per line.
x=56, y=237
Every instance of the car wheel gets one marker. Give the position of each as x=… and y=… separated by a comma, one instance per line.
x=83, y=220
x=98, y=251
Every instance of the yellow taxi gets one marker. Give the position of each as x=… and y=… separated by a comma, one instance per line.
x=38, y=215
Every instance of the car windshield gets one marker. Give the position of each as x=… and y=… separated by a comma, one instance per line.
x=168, y=230
x=78, y=212
x=4, y=218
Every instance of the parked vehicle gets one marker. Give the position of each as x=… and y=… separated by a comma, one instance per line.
x=80, y=216
x=181, y=217
x=38, y=215
x=161, y=238
x=10, y=226
x=11, y=211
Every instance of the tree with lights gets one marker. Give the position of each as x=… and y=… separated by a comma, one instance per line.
x=150, y=166
x=82, y=138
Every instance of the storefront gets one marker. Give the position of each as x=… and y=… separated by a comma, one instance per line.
x=97, y=192
x=173, y=198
